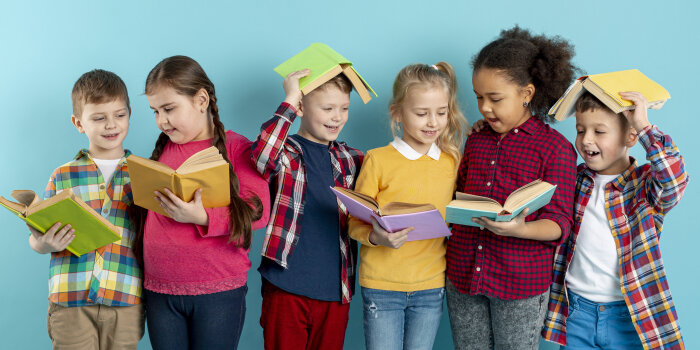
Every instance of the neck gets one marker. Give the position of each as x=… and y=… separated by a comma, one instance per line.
x=114, y=153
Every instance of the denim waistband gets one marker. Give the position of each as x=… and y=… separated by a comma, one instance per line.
x=581, y=303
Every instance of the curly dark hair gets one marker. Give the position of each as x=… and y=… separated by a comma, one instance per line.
x=524, y=58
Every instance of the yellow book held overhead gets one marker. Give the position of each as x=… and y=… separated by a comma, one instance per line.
x=324, y=63
x=92, y=231
x=206, y=169
x=606, y=87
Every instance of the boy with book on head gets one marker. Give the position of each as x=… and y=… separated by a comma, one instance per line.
x=308, y=265
x=609, y=276
x=95, y=299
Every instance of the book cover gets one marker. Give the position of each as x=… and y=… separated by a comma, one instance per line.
x=92, y=231
x=424, y=218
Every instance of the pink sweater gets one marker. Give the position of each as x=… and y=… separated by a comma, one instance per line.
x=188, y=259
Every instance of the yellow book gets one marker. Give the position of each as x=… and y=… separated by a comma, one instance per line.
x=206, y=169
x=606, y=87
x=92, y=231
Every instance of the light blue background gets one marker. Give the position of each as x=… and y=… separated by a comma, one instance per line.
x=45, y=47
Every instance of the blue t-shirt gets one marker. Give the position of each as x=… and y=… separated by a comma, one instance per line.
x=314, y=266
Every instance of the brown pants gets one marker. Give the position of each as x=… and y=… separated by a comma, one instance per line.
x=97, y=327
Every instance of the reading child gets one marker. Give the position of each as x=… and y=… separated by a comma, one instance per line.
x=499, y=276
x=95, y=299
x=403, y=282
x=308, y=265
x=609, y=277
x=196, y=258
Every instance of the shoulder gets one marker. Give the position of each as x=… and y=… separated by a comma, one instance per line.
x=555, y=140
x=352, y=152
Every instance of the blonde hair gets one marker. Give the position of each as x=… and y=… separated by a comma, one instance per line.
x=450, y=141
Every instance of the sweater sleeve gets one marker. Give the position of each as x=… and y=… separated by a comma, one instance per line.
x=367, y=183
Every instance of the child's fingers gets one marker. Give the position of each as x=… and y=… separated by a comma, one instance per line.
x=197, y=197
x=299, y=74
x=61, y=235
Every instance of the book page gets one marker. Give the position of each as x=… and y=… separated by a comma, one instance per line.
x=16, y=208
x=364, y=199
x=67, y=193
x=525, y=194
x=396, y=208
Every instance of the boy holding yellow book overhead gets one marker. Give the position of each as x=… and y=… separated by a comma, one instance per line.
x=613, y=283
x=95, y=299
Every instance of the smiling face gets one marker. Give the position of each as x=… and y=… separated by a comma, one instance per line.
x=325, y=111
x=500, y=100
x=106, y=126
x=182, y=118
x=423, y=115
x=602, y=142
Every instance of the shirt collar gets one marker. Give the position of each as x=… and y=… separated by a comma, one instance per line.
x=411, y=154
x=530, y=126
x=84, y=153
x=621, y=180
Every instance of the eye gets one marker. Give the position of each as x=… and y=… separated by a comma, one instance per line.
x=345, y=109
x=479, y=97
x=327, y=109
x=599, y=132
x=579, y=132
x=442, y=114
x=496, y=100
x=168, y=109
x=97, y=119
x=121, y=115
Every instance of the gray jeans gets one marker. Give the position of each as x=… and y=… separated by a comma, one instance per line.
x=482, y=322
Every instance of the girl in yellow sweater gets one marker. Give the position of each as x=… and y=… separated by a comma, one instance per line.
x=403, y=282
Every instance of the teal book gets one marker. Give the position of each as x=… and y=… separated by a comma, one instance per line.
x=465, y=207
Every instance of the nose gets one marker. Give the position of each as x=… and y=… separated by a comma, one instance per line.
x=432, y=119
x=587, y=138
x=110, y=123
x=337, y=114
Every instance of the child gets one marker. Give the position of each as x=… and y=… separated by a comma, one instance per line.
x=308, y=265
x=196, y=260
x=499, y=276
x=403, y=282
x=615, y=279
x=95, y=299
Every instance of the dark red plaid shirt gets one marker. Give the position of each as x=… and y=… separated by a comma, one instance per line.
x=480, y=262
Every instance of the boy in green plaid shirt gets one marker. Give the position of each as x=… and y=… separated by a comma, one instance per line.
x=95, y=299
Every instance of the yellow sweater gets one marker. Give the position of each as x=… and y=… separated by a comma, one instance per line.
x=388, y=176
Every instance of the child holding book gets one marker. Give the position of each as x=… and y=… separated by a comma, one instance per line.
x=95, y=299
x=499, y=276
x=196, y=258
x=609, y=276
x=403, y=282
x=308, y=265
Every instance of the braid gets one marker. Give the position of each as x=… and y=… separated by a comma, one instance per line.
x=160, y=145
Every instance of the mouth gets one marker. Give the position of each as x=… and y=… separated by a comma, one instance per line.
x=111, y=136
x=332, y=128
x=491, y=120
x=590, y=154
x=429, y=133
x=168, y=131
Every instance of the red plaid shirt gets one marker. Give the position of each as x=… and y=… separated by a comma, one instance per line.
x=637, y=203
x=480, y=262
x=280, y=160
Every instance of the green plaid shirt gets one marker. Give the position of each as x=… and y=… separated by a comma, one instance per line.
x=109, y=275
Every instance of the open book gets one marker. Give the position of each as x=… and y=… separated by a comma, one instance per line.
x=395, y=216
x=534, y=196
x=324, y=64
x=606, y=87
x=206, y=169
x=92, y=231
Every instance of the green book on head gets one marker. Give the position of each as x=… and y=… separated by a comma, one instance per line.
x=92, y=231
x=324, y=64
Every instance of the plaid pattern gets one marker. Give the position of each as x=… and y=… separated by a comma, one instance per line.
x=637, y=202
x=109, y=275
x=279, y=159
x=480, y=262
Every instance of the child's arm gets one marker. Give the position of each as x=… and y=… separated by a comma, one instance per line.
x=54, y=240
x=668, y=178
x=273, y=134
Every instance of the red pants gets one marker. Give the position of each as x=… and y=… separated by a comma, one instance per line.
x=295, y=322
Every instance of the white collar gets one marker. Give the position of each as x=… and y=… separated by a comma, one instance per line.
x=411, y=154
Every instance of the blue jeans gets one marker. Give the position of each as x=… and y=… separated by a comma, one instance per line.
x=207, y=321
x=401, y=320
x=592, y=325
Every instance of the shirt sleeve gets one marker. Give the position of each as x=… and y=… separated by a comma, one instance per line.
x=560, y=170
x=367, y=183
x=266, y=149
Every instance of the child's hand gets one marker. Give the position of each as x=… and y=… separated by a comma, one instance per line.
x=54, y=240
x=637, y=117
x=181, y=211
x=395, y=240
x=291, y=88
x=511, y=228
x=478, y=126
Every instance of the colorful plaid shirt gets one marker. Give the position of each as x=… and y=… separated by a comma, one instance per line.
x=280, y=160
x=480, y=262
x=109, y=275
x=636, y=203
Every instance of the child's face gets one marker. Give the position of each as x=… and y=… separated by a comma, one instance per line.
x=325, y=112
x=423, y=114
x=182, y=118
x=602, y=143
x=106, y=126
x=500, y=100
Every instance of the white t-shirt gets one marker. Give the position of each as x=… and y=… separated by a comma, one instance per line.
x=107, y=167
x=594, y=269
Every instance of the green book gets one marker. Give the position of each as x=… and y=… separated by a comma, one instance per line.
x=92, y=231
x=324, y=64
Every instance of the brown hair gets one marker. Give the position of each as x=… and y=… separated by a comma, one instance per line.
x=339, y=81
x=98, y=86
x=588, y=102
x=187, y=77
x=441, y=74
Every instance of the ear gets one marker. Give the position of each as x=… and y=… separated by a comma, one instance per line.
x=395, y=113
x=300, y=110
x=631, y=138
x=201, y=99
x=527, y=92
x=77, y=123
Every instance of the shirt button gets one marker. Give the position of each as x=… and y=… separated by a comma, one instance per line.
x=488, y=184
x=515, y=131
x=106, y=211
x=480, y=247
x=478, y=269
x=601, y=308
x=493, y=162
x=102, y=187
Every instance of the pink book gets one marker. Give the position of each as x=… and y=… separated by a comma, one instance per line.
x=395, y=216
